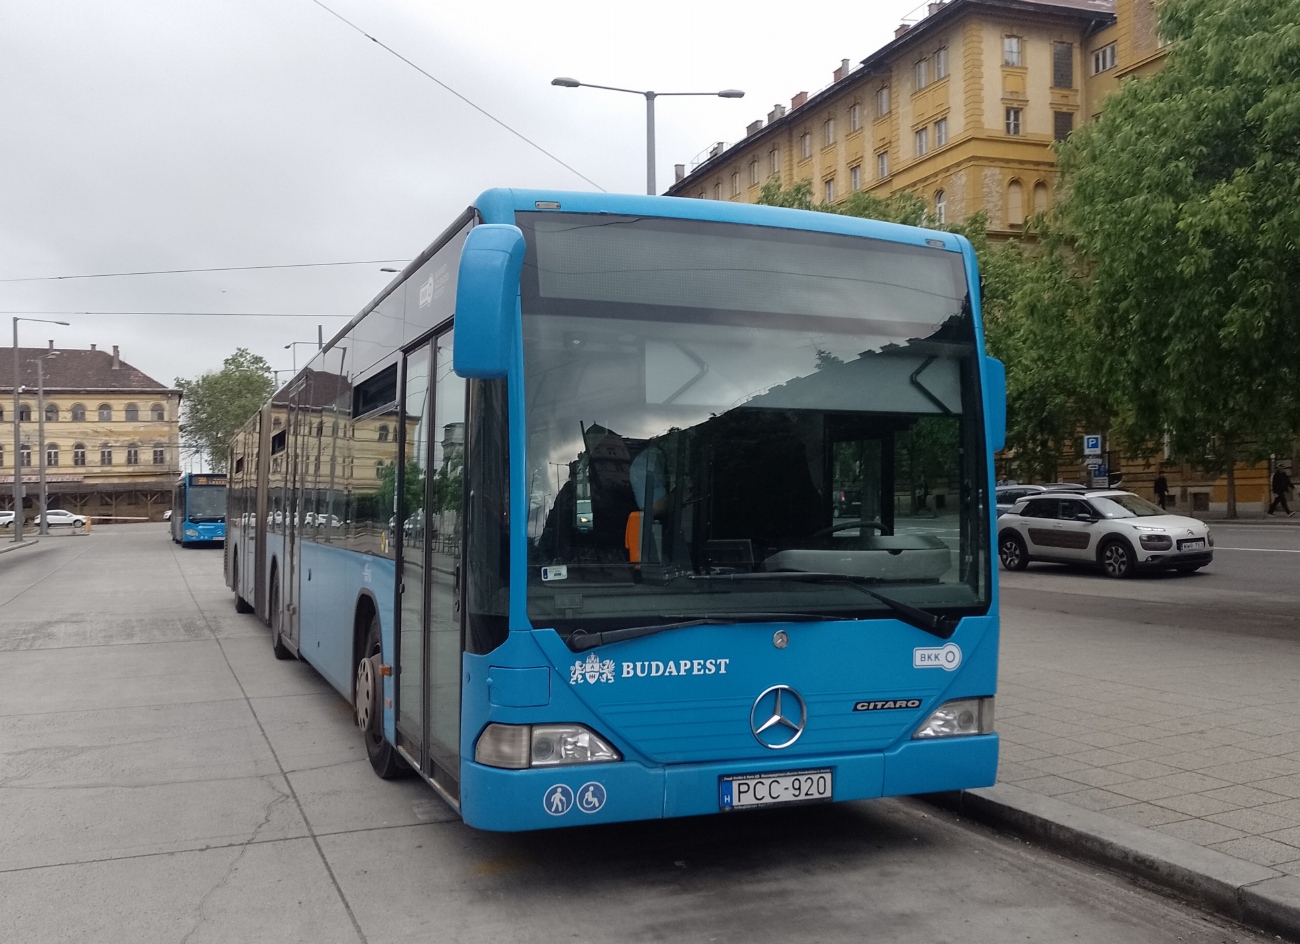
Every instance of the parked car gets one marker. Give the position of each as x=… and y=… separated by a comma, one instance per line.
x=59, y=518
x=167, y=515
x=1008, y=495
x=1117, y=531
x=6, y=519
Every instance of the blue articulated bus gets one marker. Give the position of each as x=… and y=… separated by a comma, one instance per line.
x=199, y=509
x=614, y=508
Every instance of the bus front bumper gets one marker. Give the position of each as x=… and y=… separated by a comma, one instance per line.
x=513, y=800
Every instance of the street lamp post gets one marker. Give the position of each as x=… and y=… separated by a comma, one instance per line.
x=650, y=97
x=40, y=445
x=18, y=438
x=292, y=346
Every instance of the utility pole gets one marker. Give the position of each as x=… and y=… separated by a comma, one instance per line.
x=18, y=450
x=40, y=426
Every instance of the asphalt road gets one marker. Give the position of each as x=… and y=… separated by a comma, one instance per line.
x=1252, y=587
x=163, y=778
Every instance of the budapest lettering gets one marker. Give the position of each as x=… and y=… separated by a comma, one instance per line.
x=594, y=670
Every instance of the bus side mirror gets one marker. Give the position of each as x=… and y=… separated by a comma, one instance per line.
x=487, y=301
x=995, y=393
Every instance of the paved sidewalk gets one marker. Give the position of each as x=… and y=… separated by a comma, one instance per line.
x=1193, y=733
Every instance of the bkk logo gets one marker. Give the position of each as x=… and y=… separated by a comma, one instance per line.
x=595, y=670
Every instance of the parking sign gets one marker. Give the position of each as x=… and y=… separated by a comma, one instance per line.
x=1092, y=445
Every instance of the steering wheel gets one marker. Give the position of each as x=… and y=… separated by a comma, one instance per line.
x=879, y=526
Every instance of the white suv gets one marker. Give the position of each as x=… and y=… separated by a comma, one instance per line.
x=1118, y=531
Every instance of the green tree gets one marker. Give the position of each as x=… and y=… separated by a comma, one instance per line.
x=1185, y=198
x=216, y=404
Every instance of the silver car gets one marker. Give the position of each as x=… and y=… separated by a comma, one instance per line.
x=1118, y=531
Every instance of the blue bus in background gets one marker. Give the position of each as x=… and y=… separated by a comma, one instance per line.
x=199, y=508
x=561, y=512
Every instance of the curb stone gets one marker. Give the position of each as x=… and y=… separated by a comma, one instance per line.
x=1251, y=894
x=10, y=546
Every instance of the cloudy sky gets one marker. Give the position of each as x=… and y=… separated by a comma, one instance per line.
x=175, y=134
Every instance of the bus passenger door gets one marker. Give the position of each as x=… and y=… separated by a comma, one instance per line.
x=430, y=654
x=296, y=423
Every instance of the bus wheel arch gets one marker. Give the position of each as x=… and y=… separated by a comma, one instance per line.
x=367, y=691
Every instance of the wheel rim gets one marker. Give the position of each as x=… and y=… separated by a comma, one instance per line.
x=1115, y=560
x=366, y=693
x=1010, y=553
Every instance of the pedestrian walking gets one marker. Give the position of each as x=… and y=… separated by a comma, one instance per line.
x=1281, y=485
x=1161, y=487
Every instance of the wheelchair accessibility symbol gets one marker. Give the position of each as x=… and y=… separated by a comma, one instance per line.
x=591, y=797
x=558, y=800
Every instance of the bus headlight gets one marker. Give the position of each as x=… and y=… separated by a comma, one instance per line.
x=520, y=746
x=958, y=717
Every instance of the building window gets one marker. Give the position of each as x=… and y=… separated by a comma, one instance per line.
x=855, y=116
x=774, y=162
x=1062, y=124
x=1062, y=65
x=1011, y=50
x=1040, y=197
x=51, y=454
x=24, y=412
x=941, y=63
x=855, y=177
x=922, y=141
x=922, y=73
x=805, y=145
x=25, y=455
x=133, y=454
x=940, y=207
x=882, y=101
x=51, y=413
x=383, y=434
x=78, y=412
x=106, y=455
x=1013, y=121
x=882, y=164
x=160, y=454
x=132, y=413
x=2, y=451
x=735, y=184
x=105, y=413
x=1015, y=204
x=830, y=190
x=941, y=132
x=379, y=469
x=717, y=190
x=157, y=413
x=753, y=172
x=1103, y=60
x=79, y=454
x=828, y=132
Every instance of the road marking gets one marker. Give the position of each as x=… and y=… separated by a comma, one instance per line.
x=1261, y=550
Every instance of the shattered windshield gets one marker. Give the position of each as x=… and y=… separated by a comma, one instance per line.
x=708, y=403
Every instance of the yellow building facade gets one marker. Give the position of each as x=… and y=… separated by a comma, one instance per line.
x=112, y=434
x=961, y=108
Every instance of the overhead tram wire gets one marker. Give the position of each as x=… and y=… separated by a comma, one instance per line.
x=246, y=268
x=479, y=108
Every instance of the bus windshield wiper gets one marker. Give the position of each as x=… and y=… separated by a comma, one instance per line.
x=933, y=623
x=582, y=640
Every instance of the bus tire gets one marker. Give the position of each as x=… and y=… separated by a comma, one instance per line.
x=241, y=605
x=277, y=618
x=367, y=697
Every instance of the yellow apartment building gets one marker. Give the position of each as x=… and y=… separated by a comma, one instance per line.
x=112, y=433
x=961, y=108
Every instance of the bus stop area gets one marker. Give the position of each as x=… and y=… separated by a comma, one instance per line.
x=164, y=778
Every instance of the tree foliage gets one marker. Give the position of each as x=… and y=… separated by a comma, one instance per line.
x=216, y=404
x=1185, y=198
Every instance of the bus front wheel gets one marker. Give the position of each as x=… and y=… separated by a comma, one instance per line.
x=368, y=698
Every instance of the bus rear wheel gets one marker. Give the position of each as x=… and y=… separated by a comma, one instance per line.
x=277, y=620
x=368, y=693
x=241, y=605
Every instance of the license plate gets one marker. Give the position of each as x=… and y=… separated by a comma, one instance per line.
x=792, y=786
x=1193, y=544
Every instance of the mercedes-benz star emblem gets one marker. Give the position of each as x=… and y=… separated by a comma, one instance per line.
x=778, y=717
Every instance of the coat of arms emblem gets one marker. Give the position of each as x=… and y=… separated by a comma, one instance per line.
x=593, y=670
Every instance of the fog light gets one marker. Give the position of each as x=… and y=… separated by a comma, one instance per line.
x=518, y=746
x=959, y=717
